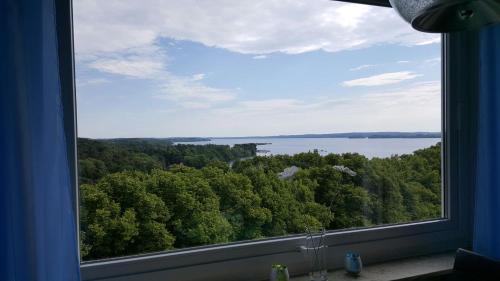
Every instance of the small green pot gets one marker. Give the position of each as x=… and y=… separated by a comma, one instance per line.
x=279, y=272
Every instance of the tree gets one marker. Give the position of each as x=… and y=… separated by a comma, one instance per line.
x=196, y=218
x=347, y=202
x=141, y=195
x=106, y=231
x=384, y=184
x=123, y=218
x=238, y=202
x=91, y=170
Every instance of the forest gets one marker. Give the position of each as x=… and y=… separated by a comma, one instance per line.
x=146, y=195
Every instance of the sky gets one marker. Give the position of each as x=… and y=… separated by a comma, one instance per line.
x=218, y=68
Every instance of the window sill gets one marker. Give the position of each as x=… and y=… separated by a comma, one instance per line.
x=404, y=269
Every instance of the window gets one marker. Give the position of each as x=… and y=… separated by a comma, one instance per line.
x=205, y=145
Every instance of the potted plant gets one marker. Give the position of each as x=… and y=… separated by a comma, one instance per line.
x=279, y=272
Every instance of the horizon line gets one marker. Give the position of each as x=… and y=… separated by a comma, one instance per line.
x=271, y=136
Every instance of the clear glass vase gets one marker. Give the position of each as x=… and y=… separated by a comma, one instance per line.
x=315, y=253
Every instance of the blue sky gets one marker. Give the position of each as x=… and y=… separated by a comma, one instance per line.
x=241, y=68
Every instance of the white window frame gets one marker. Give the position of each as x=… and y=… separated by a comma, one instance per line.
x=251, y=260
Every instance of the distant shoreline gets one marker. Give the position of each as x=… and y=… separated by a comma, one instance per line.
x=354, y=135
x=360, y=135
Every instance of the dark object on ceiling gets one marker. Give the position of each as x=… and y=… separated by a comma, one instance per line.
x=440, y=16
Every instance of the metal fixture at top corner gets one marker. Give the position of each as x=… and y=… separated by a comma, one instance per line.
x=441, y=16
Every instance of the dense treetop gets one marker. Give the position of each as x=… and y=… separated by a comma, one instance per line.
x=140, y=196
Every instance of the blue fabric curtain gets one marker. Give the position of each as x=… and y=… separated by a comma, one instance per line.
x=38, y=237
x=487, y=206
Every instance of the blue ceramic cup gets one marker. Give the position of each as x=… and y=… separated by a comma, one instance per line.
x=353, y=264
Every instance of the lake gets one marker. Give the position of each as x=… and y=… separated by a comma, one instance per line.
x=365, y=146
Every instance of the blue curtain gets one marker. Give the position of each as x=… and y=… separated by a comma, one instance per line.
x=487, y=195
x=38, y=237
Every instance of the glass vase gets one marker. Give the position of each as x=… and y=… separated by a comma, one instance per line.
x=315, y=253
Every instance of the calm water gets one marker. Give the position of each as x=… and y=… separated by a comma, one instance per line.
x=368, y=147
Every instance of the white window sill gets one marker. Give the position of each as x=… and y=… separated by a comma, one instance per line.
x=397, y=270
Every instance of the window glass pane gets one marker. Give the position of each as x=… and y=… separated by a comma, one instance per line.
x=207, y=122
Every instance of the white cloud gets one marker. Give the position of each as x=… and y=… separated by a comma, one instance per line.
x=133, y=67
x=259, y=57
x=361, y=67
x=433, y=61
x=140, y=62
x=89, y=82
x=431, y=40
x=248, y=26
x=186, y=91
x=190, y=93
x=417, y=106
x=404, y=61
x=270, y=104
x=123, y=37
x=420, y=104
x=382, y=79
x=198, y=77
